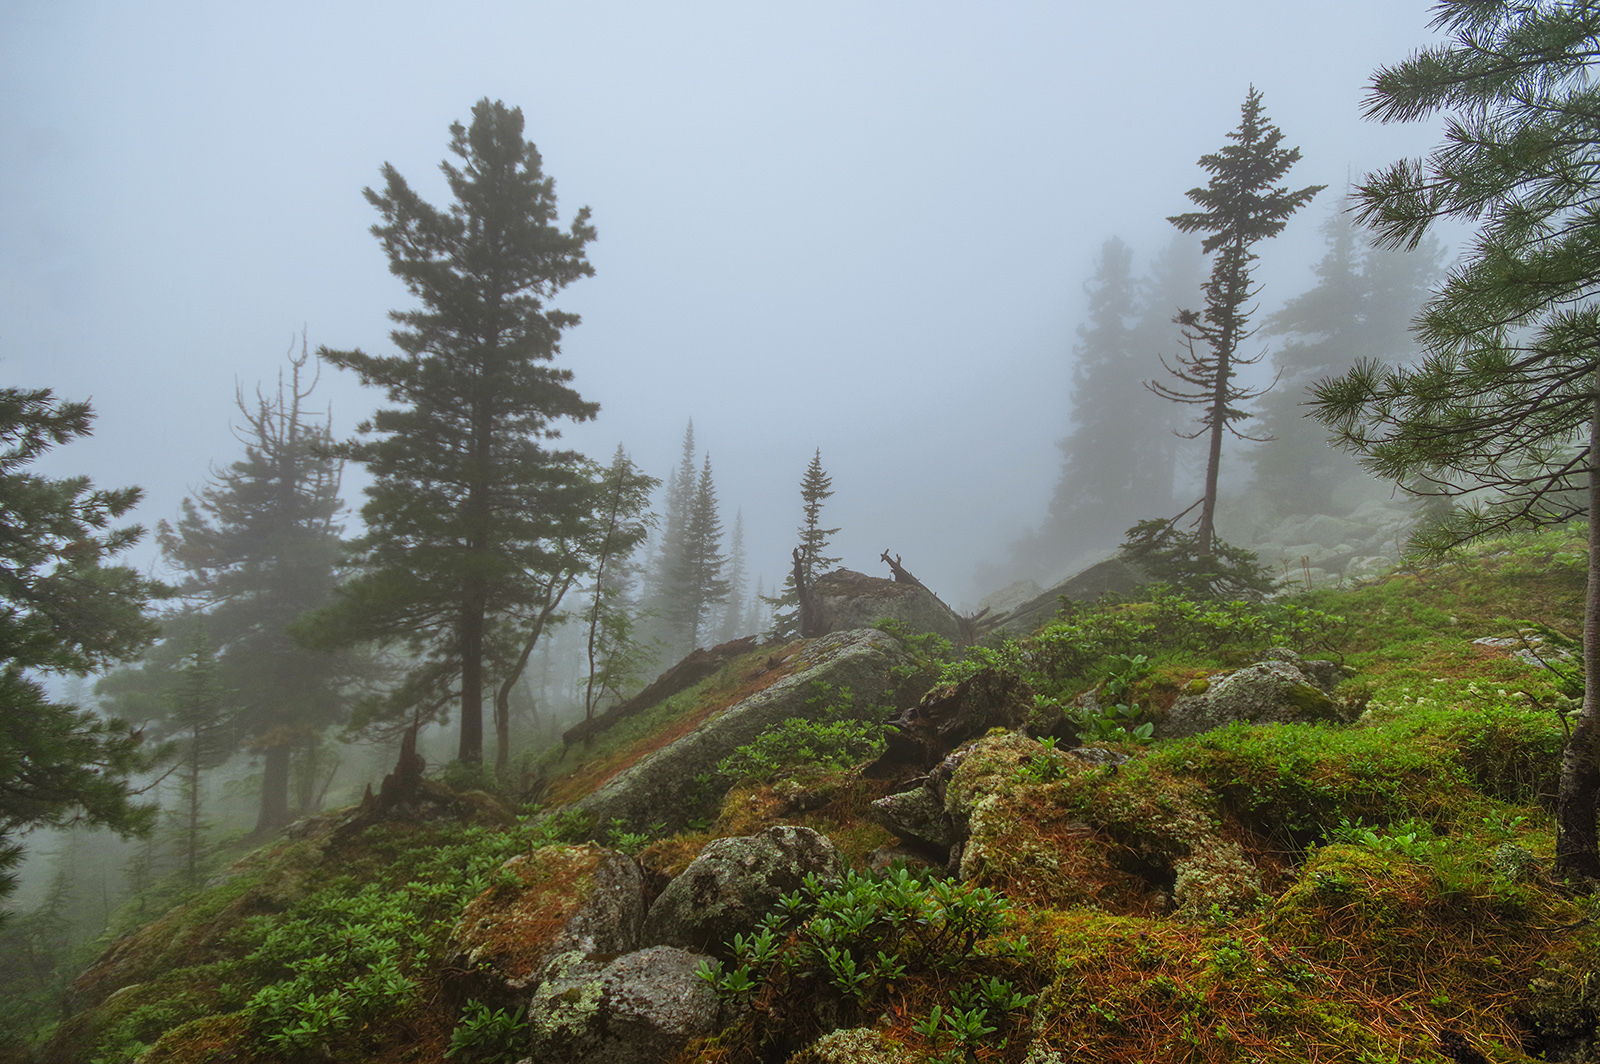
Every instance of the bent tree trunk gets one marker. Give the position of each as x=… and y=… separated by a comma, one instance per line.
x=1577, y=853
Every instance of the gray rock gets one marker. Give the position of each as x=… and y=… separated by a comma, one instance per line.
x=1269, y=691
x=661, y=787
x=734, y=883
x=846, y=600
x=918, y=816
x=641, y=1008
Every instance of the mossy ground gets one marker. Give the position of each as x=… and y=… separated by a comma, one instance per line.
x=1439, y=923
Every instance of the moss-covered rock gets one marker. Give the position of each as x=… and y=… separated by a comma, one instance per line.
x=558, y=901
x=667, y=787
x=1279, y=690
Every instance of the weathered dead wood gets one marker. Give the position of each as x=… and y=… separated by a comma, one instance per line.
x=922, y=736
x=971, y=628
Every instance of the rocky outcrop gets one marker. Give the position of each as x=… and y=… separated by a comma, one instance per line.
x=734, y=883
x=845, y=599
x=695, y=666
x=1112, y=576
x=1282, y=688
x=640, y=1008
x=922, y=735
x=557, y=906
x=669, y=786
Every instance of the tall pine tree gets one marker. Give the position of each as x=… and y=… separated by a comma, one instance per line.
x=465, y=495
x=1118, y=456
x=1242, y=205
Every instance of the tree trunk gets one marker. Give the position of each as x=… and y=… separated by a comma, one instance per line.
x=274, y=810
x=1577, y=852
x=471, y=745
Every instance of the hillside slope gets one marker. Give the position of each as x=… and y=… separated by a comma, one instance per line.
x=1375, y=891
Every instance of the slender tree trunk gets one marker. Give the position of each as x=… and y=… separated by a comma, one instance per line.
x=274, y=810
x=1577, y=852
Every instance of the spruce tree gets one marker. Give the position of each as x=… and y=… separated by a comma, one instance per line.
x=1502, y=415
x=1118, y=457
x=696, y=576
x=259, y=548
x=612, y=655
x=1242, y=205
x=63, y=612
x=816, y=487
x=1360, y=309
x=465, y=495
x=732, y=626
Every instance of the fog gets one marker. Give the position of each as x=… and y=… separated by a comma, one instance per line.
x=863, y=228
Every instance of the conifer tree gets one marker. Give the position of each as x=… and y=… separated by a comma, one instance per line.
x=1503, y=412
x=816, y=487
x=466, y=495
x=1360, y=309
x=696, y=575
x=1242, y=205
x=259, y=548
x=733, y=609
x=63, y=612
x=1117, y=458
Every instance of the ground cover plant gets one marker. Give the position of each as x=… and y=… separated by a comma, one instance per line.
x=1379, y=891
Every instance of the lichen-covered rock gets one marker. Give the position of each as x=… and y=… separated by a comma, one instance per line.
x=1215, y=875
x=846, y=599
x=661, y=788
x=916, y=815
x=734, y=883
x=568, y=902
x=852, y=1045
x=1281, y=690
x=641, y=1008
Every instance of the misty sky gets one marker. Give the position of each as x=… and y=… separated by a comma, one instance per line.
x=861, y=226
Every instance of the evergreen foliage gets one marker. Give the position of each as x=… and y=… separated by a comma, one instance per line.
x=1360, y=309
x=259, y=548
x=1503, y=413
x=695, y=569
x=62, y=612
x=816, y=487
x=201, y=722
x=734, y=606
x=466, y=500
x=613, y=655
x=1242, y=205
x=1118, y=456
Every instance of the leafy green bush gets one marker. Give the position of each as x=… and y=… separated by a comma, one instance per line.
x=835, y=740
x=489, y=1036
x=836, y=952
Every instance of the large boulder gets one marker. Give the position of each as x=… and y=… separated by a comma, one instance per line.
x=669, y=786
x=734, y=883
x=641, y=1008
x=1280, y=689
x=555, y=907
x=845, y=599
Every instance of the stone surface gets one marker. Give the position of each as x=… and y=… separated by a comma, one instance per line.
x=661, y=786
x=1272, y=691
x=846, y=599
x=734, y=883
x=916, y=815
x=641, y=1008
x=567, y=902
